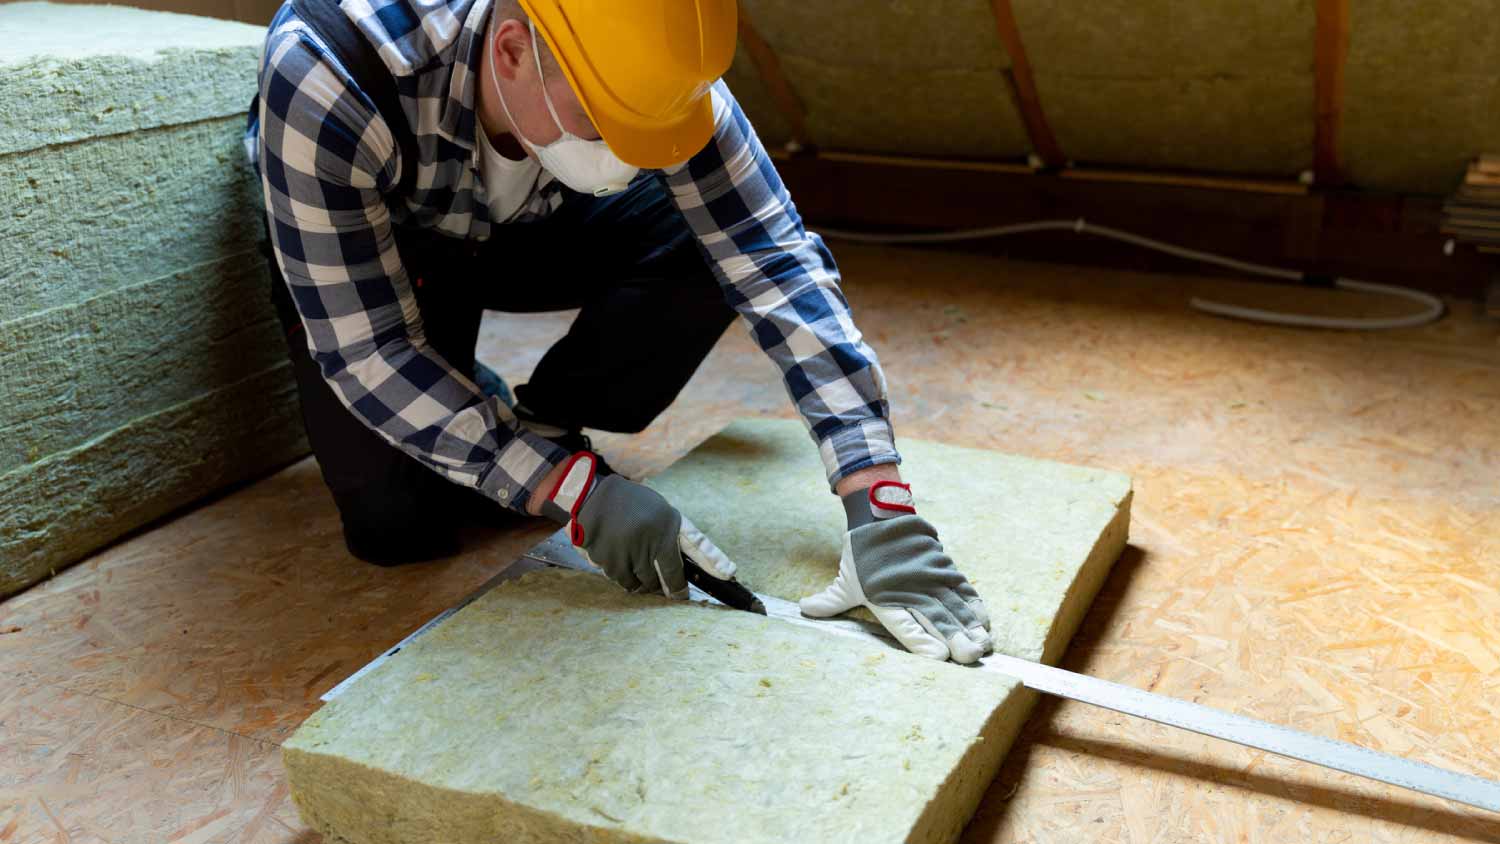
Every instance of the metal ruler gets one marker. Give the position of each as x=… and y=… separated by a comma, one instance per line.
x=557, y=551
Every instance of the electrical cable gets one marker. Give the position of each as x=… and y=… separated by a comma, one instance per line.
x=1432, y=306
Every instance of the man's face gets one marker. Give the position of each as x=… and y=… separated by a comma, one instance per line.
x=516, y=73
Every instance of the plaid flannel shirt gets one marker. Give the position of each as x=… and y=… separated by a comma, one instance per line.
x=330, y=166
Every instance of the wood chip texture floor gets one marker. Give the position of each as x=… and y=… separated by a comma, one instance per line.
x=1316, y=542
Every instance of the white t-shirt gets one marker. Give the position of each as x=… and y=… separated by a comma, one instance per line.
x=508, y=184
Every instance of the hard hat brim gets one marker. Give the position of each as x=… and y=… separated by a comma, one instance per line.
x=658, y=147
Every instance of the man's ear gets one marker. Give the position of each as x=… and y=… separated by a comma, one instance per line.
x=510, y=49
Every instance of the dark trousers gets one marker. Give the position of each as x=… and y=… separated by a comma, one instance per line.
x=650, y=311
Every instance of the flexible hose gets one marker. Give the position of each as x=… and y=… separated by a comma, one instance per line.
x=1432, y=307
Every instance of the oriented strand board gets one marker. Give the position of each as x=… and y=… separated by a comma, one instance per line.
x=76, y=72
x=1275, y=471
x=557, y=708
x=1218, y=85
x=63, y=506
x=83, y=218
x=921, y=78
x=76, y=372
x=1035, y=537
x=127, y=769
x=1420, y=92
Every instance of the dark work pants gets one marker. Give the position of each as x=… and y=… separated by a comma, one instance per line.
x=650, y=311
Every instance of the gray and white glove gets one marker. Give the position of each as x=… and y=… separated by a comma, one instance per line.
x=894, y=565
x=630, y=531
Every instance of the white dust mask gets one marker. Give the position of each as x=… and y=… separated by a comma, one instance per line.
x=584, y=166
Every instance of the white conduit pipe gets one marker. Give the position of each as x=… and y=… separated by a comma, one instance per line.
x=1432, y=307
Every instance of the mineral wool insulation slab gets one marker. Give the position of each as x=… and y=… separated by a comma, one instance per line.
x=899, y=76
x=1208, y=85
x=83, y=218
x=140, y=364
x=1035, y=537
x=59, y=508
x=76, y=72
x=556, y=708
x=120, y=149
x=1420, y=93
x=78, y=372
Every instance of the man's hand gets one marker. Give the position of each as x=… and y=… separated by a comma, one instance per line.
x=630, y=530
x=894, y=564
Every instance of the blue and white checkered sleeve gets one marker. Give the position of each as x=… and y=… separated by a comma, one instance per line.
x=325, y=158
x=784, y=283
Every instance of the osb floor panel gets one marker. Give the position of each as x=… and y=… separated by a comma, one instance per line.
x=1314, y=542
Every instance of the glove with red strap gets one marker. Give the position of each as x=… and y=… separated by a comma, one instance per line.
x=894, y=565
x=629, y=530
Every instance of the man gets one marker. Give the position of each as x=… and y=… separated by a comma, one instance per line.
x=425, y=160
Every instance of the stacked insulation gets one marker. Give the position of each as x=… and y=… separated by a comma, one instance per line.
x=141, y=366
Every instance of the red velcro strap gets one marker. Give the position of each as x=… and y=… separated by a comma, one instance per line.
x=903, y=507
x=575, y=493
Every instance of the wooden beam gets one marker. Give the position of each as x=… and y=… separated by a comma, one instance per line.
x=788, y=104
x=1370, y=236
x=1332, y=49
x=1043, y=142
x=948, y=164
x=1285, y=187
x=1190, y=180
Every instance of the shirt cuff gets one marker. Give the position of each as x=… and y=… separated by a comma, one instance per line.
x=520, y=468
x=859, y=445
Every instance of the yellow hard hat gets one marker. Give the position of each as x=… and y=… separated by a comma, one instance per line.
x=642, y=69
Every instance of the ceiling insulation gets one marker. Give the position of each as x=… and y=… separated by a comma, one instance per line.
x=919, y=78
x=1209, y=86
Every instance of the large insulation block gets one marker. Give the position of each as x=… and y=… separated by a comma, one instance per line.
x=1036, y=537
x=140, y=365
x=57, y=509
x=1420, y=93
x=557, y=708
x=70, y=73
x=920, y=78
x=1218, y=85
x=76, y=372
x=119, y=210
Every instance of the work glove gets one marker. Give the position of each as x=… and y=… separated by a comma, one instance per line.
x=894, y=565
x=630, y=531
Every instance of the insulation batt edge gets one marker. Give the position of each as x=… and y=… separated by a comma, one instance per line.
x=75, y=72
x=76, y=372
x=83, y=218
x=54, y=511
x=556, y=708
